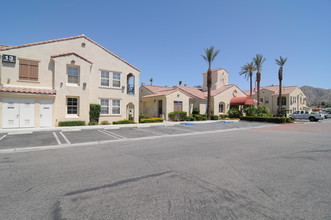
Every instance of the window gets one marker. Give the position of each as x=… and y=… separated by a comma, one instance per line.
x=283, y=100
x=73, y=74
x=116, y=107
x=28, y=70
x=116, y=80
x=178, y=106
x=221, y=108
x=104, y=106
x=105, y=78
x=72, y=106
x=266, y=100
x=261, y=100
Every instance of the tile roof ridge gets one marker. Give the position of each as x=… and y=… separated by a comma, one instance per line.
x=69, y=38
x=71, y=53
x=42, y=42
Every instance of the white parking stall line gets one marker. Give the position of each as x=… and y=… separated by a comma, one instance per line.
x=65, y=138
x=106, y=133
x=120, y=136
x=3, y=137
x=57, y=138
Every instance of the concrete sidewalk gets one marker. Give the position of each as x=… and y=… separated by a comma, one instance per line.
x=87, y=127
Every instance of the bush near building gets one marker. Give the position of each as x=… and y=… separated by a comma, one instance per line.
x=151, y=120
x=267, y=119
x=123, y=122
x=71, y=123
x=95, y=110
x=177, y=116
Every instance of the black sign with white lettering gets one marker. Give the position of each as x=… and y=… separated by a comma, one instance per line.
x=8, y=58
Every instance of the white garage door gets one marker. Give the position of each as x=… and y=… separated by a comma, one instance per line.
x=17, y=113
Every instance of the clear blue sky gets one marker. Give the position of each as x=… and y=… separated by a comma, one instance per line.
x=165, y=38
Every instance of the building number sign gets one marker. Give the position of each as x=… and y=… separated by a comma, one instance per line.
x=8, y=58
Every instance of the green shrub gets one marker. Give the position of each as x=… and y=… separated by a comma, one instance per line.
x=223, y=116
x=234, y=113
x=250, y=111
x=151, y=120
x=267, y=119
x=95, y=110
x=142, y=117
x=190, y=118
x=195, y=111
x=263, y=111
x=123, y=122
x=93, y=123
x=105, y=123
x=177, y=116
x=71, y=123
x=214, y=117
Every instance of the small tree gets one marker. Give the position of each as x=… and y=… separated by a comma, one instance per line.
x=95, y=110
x=151, y=80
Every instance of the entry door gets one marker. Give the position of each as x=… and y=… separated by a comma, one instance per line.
x=10, y=113
x=26, y=113
x=18, y=113
x=160, y=110
x=46, y=113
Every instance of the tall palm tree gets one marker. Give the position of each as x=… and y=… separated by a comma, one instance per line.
x=280, y=63
x=248, y=70
x=151, y=80
x=258, y=61
x=209, y=56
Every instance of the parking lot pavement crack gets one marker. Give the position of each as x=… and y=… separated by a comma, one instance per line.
x=121, y=182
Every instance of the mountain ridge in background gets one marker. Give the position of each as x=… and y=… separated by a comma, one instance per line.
x=316, y=96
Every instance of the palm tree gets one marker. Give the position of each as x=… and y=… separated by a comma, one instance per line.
x=151, y=80
x=248, y=70
x=180, y=82
x=280, y=63
x=258, y=60
x=209, y=56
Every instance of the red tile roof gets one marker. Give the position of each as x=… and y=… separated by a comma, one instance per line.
x=64, y=39
x=275, y=89
x=12, y=89
x=71, y=53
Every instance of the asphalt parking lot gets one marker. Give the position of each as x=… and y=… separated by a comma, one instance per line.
x=74, y=136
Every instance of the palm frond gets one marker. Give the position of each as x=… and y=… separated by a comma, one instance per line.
x=210, y=55
x=258, y=61
x=281, y=61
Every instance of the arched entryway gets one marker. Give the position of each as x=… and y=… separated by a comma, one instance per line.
x=130, y=111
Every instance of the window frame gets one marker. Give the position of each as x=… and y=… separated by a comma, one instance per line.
x=102, y=78
x=78, y=74
x=112, y=107
x=72, y=106
x=103, y=106
x=219, y=107
x=111, y=79
x=116, y=80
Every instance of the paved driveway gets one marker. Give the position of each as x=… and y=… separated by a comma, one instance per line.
x=69, y=136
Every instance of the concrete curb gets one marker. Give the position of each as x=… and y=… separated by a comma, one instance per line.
x=78, y=128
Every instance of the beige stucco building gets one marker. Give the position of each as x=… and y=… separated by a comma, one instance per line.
x=47, y=82
x=293, y=98
x=159, y=101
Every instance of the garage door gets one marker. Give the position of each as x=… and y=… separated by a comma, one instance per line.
x=17, y=113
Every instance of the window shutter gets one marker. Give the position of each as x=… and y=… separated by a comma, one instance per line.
x=33, y=70
x=24, y=69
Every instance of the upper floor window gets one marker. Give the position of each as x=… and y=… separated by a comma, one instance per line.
x=28, y=70
x=73, y=74
x=283, y=100
x=266, y=100
x=107, y=76
x=116, y=80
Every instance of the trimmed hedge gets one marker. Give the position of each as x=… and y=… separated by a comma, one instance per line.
x=177, y=116
x=190, y=118
x=213, y=117
x=267, y=119
x=199, y=117
x=123, y=122
x=71, y=123
x=151, y=120
x=95, y=110
x=105, y=123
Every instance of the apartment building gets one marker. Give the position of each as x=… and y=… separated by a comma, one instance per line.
x=293, y=98
x=47, y=82
x=159, y=101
